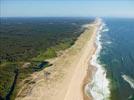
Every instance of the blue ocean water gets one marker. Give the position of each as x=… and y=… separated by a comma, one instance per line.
x=117, y=57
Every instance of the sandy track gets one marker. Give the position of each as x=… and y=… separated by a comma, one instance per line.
x=67, y=74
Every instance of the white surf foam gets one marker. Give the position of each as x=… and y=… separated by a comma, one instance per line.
x=108, y=42
x=105, y=30
x=99, y=87
x=129, y=80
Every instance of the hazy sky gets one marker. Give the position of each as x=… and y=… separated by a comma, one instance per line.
x=116, y=8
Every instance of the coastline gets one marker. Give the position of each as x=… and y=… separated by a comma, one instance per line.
x=94, y=88
x=91, y=68
x=88, y=79
x=68, y=74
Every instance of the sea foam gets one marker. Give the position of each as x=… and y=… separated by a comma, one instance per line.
x=99, y=87
x=129, y=80
x=105, y=30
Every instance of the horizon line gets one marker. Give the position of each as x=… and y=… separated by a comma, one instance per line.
x=67, y=16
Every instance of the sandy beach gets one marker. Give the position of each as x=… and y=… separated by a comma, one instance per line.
x=69, y=73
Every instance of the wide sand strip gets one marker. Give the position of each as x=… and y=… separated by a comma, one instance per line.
x=64, y=79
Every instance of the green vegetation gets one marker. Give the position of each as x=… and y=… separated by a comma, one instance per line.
x=7, y=75
x=32, y=40
x=6, y=79
x=49, y=53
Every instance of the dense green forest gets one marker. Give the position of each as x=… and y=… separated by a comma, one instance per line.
x=32, y=40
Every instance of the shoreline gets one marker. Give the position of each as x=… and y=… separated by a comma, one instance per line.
x=88, y=79
x=94, y=88
x=68, y=72
x=91, y=70
x=90, y=48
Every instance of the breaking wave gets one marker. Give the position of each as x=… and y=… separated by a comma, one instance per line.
x=129, y=80
x=99, y=87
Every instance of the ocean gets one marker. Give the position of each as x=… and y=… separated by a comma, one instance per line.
x=114, y=59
